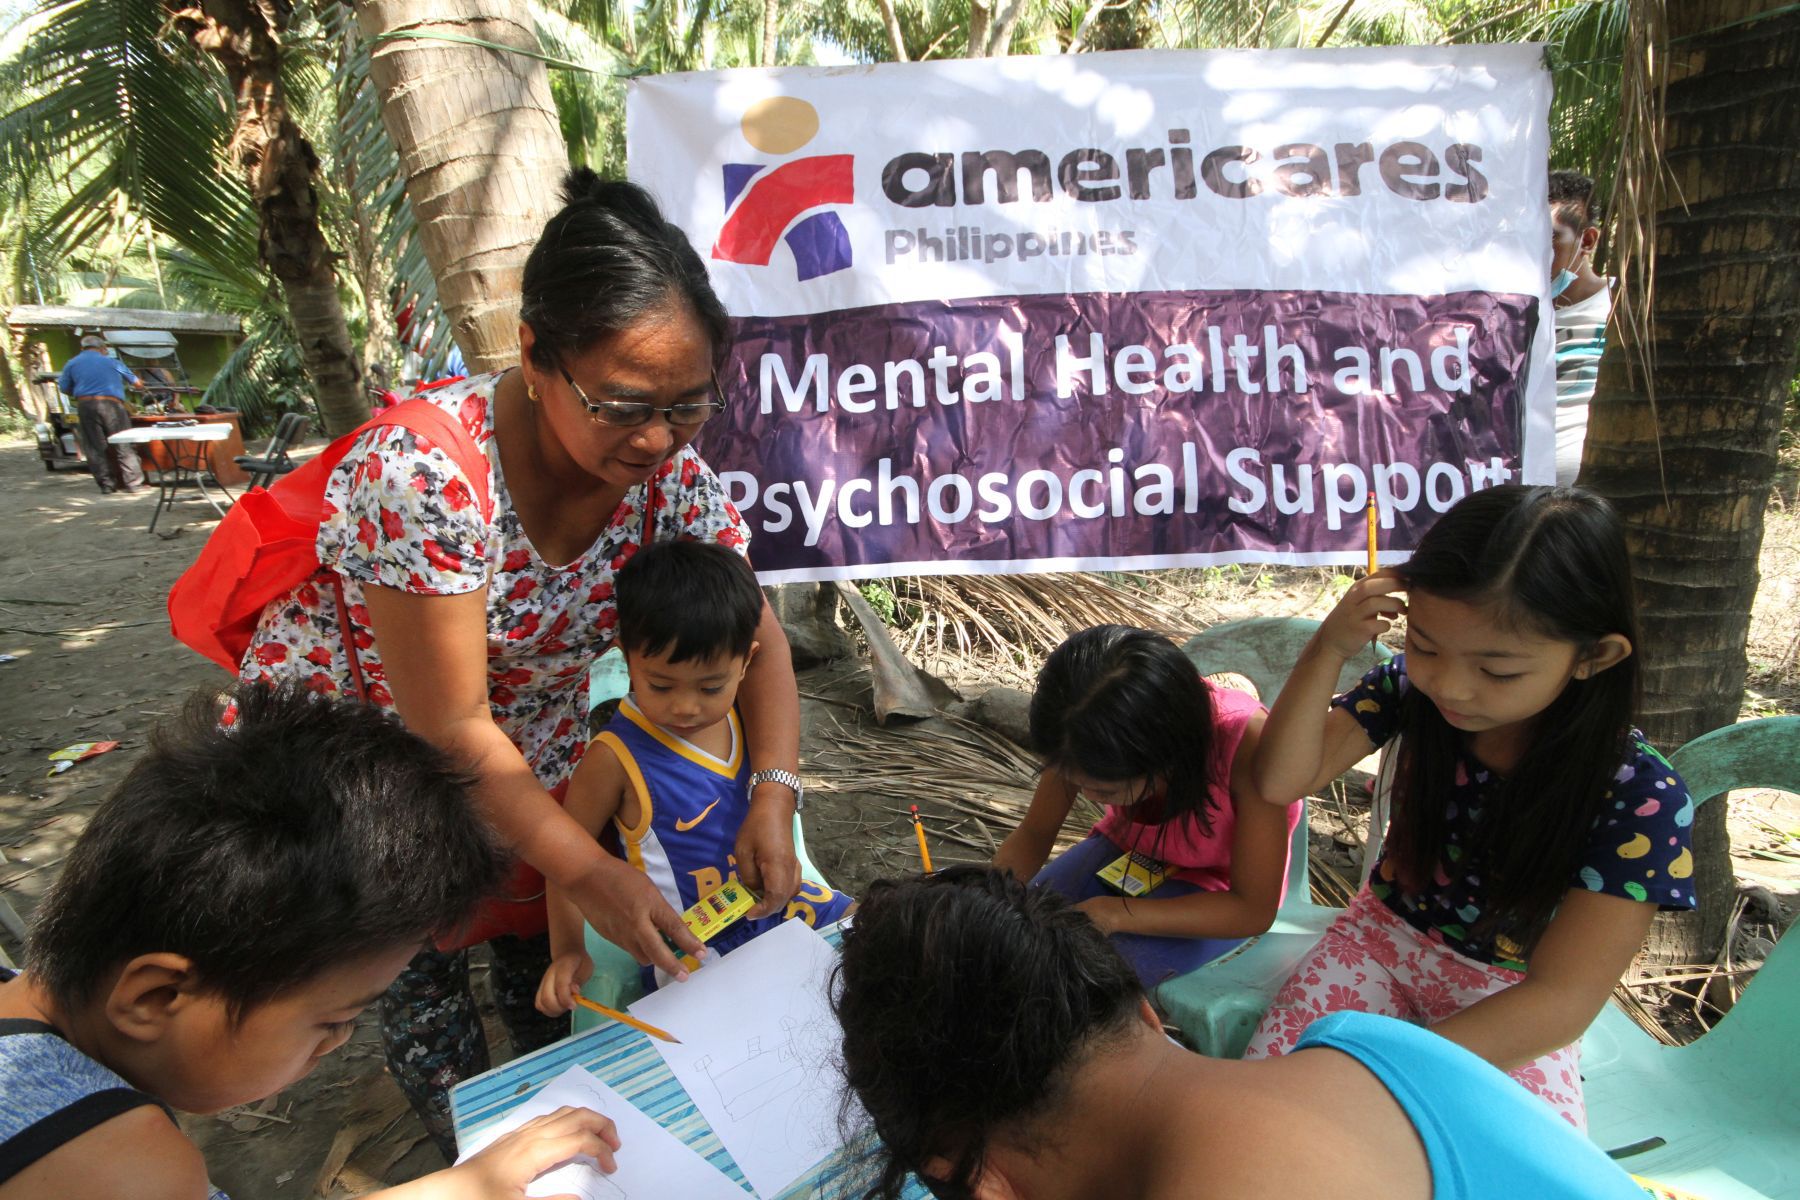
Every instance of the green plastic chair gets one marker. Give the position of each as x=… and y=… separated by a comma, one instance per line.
x=1218, y=1006
x=1719, y=1117
x=617, y=978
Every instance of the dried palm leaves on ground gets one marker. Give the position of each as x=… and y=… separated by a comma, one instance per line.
x=1000, y=627
x=974, y=784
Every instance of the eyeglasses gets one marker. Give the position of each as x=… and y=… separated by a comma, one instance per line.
x=628, y=413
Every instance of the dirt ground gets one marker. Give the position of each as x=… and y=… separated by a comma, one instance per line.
x=82, y=613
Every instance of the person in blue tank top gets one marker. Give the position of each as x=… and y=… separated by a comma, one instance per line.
x=666, y=785
x=1003, y=1050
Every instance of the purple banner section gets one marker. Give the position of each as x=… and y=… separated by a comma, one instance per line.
x=1127, y=430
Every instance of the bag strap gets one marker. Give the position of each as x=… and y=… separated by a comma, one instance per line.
x=427, y=420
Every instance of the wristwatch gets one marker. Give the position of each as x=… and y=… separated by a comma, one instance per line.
x=788, y=778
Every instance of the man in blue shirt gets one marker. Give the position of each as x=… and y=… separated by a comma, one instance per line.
x=97, y=383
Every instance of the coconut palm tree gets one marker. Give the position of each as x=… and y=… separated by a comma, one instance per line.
x=1686, y=420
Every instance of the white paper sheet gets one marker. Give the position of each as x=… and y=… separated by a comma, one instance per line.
x=653, y=1163
x=759, y=1052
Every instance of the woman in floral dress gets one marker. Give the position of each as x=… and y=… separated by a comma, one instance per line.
x=479, y=631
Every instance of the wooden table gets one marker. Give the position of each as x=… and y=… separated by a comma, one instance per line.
x=183, y=459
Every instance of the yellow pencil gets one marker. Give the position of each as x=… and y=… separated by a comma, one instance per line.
x=1372, y=563
x=627, y=1019
x=924, y=854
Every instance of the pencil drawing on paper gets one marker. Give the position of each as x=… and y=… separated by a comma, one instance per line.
x=761, y=1077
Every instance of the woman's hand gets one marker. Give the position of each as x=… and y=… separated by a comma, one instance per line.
x=625, y=908
x=556, y=994
x=1364, y=613
x=503, y=1170
x=766, y=862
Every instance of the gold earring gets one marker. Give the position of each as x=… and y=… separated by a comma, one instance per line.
x=531, y=392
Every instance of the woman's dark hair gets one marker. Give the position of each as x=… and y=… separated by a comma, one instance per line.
x=967, y=1001
x=697, y=600
x=604, y=262
x=303, y=834
x=1551, y=561
x=1118, y=703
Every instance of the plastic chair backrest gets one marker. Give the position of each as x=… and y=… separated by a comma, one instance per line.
x=287, y=431
x=1753, y=1043
x=1264, y=651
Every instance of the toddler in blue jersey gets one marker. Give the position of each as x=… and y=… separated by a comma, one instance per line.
x=670, y=774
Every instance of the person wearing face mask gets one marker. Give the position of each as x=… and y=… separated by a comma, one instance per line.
x=1583, y=300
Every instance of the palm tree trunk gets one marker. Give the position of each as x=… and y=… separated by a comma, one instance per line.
x=481, y=149
x=278, y=163
x=1691, y=471
x=771, y=27
x=890, y=21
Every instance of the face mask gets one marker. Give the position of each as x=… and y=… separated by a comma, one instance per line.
x=1561, y=282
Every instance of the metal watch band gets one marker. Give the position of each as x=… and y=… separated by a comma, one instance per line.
x=777, y=775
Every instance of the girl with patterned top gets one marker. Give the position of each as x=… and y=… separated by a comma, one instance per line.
x=478, y=627
x=1534, y=832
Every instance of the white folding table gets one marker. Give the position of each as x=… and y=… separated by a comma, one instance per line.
x=187, y=453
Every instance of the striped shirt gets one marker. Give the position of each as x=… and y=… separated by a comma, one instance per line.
x=1580, y=341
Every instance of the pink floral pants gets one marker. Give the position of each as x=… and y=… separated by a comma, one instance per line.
x=1371, y=961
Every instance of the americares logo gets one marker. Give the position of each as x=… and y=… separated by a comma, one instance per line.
x=762, y=202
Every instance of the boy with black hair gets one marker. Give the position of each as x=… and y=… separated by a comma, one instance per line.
x=670, y=772
x=1583, y=300
x=232, y=907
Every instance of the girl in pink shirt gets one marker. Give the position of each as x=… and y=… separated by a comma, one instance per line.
x=1122, y=717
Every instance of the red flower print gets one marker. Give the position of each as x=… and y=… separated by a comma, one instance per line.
x=365, y=533
x=690, y=472
x=561, y=623
x=1435, y=999
x=600, y=592
x=319, y=656
x=691, y=515
x=1531, y=1076
x=527, y=626
x=441, y=558
x=732, y=513
x=329, y=511
x=730, y=538
x=516, y=561
x=1346, y=952
x=1339, y=998
x=1382, y=951
x=359, y=614
x=363, y=639
x=502, y=697
x=471, y=413
x=607, y=618
x=514, y=676
x=321, y=683
x=378, y=694
x=562, y=729
x=309, y=595
x=456, y=495
x=553, y=646
x=522, y=588
x=271, y=653
x=391, y=525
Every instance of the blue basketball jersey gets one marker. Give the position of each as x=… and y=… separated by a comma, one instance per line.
x=691, y=805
